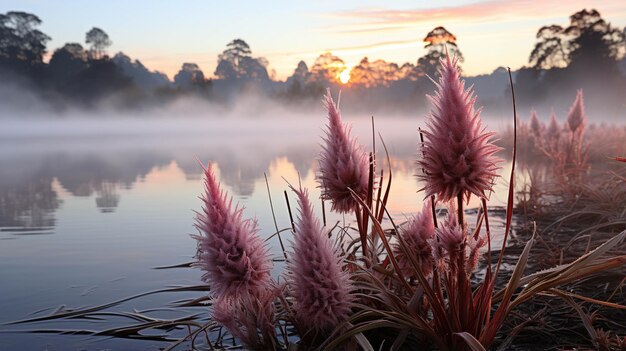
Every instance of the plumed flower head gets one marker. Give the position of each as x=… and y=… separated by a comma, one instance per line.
x=458, y=154
x=576, y=116
x=321, y=290
x=535, y=125
x=450, y=237
x=553, y=127
x=474, y=244
x=453, y=248
x=248, y=318
x=416, y=235
x=234, y=258
x=343, y=163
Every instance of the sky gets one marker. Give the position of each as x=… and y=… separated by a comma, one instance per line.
x=164, y=34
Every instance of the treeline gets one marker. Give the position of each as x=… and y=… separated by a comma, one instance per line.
x=588, y=54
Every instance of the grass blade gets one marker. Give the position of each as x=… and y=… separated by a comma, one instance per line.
x=471, y=341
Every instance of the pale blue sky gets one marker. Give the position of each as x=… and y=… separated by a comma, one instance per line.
x=164, y=34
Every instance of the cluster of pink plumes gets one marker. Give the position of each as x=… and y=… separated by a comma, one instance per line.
x=318, y=294
x=565, y=145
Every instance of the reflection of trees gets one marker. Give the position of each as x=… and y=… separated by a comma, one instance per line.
x=29, y=205
x=107, y=198
x=27, y=198
x=241, y=168
x=85, y=175
x=238, y=170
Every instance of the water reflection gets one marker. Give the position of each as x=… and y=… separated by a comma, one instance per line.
x=28, y=207
x=84, y=175
x=28, y=198
x=107, y=197
x=118, y=206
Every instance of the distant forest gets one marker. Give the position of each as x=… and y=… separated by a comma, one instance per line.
x=588, y=53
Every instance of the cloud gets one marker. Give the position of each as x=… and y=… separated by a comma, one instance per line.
x=378, y=19
x=349, y=50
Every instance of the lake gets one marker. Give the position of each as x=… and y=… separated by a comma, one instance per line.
x=89, y=208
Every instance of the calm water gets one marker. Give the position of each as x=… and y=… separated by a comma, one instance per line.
x=89, y=209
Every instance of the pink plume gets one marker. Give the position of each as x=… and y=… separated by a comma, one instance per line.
x=458, y=154
x=248, y=318
x=233, y=256
x=343, y=164
x=449, y=236
x=553, y=127
x=535, y=125
x=576, y=116
x=416, y=235
x=321, y=289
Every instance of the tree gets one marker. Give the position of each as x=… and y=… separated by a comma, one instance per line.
x=189, y=75
x=101, y=79
x=593, y=40
x=74, y=50
x=327, y=68
x=19, y=40
x=99, y=42
x=377, y=73
x=549, y=51
x=236, y=62
x=588, y=41
x=301, y=74
x=253, y=68
x=144, y=78
x=438, y=42
x=301, y=85
x=67, y=62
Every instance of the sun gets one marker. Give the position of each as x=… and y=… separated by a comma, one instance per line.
x=344, y=76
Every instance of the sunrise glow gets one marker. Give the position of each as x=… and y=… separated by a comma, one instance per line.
x=344, y=76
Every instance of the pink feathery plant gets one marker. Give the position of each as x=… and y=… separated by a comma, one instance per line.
x=553, y=127
x=249, y=318
x=416, y=236
x=235, y=259
x=474, y=244
x=535, y=125
x=453, y=248
x=448, y=308
x=449, y=241
x=576, y=150
x=343, y=163
x=551, y=145
x=553, y=134
x=564, y=145
x=458, y=153
x=576, y=116
x=321, y=290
